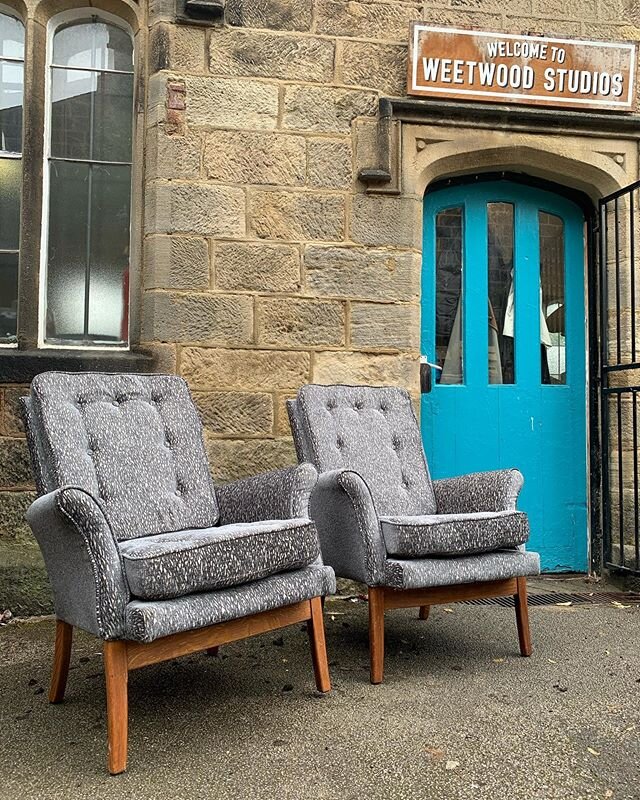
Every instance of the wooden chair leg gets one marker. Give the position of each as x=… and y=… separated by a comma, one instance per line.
x=424, y=612
x=315, y=628
x=61, y=658
x=376, y=633
x=116, y=675
x=522, y=617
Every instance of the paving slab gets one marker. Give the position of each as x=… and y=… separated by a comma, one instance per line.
x=461, y=715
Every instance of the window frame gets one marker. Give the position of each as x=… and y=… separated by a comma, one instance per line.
x=84, y=14
x=9, y=11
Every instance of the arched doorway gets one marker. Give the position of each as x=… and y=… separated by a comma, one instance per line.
x=503, y=321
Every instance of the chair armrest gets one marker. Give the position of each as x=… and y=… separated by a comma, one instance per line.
x=350, y=538
x=479, y=491
x=82, y=560
x=281, y=494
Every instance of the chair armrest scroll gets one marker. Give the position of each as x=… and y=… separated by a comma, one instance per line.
x=82, y=560
x=350, y=538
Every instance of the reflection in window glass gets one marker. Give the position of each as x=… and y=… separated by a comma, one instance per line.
x=90, y=184
x=552, y=317
x=501, y=293
x=11, y=89
x=449, y=295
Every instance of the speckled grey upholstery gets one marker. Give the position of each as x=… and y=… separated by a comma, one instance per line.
x=378, y=512
x=128, y=508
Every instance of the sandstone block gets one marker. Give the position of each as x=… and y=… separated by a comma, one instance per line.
x=188, y=49
x=195, y=208
x=172, y=156
x=236, y=413
x=24, y=586
x=386, y=221
x=165, y=357
x=297, y=216
x=13, y=525
x=236, y=52
x=382, y=67
x=282, y=426
x=231, y=459
x=326, y=109
x=268, y=158
x=202, y=317
x=11, y=421
x=176, y=262
x=290, y=15
x=366, y=273
x=573, y=9
x=246, y=370
x=368, y=20
x=15, y=465
x=257, y=267
x=300, y=323
x=329, y=164
x=231, y=103
x=385, y=325
x=366, y=368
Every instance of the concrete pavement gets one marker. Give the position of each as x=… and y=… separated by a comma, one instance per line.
x=460, y=714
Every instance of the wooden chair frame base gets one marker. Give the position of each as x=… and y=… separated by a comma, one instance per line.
x=382, y=598
x=120, y=657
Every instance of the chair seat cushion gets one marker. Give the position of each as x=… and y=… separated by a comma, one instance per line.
x=170, y=565
x=454, y=534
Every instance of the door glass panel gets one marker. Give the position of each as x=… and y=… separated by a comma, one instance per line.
x=449, y=295
x=552, y=299
x=500, y=239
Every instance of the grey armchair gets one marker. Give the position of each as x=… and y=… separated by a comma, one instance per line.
x=384, y=522
x=142, y=551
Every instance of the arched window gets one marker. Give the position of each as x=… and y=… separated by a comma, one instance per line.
x=88, y=183
x=11, y=88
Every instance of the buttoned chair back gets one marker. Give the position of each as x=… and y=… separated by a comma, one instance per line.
x=372, y=431
x=133, y=442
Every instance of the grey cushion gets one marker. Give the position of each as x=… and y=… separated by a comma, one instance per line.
x=134, y=442
x=419, y=573
x=372, y=431
x=454, y=534
x=149, y=620
x=175, y=564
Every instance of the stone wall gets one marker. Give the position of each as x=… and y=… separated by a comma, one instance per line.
x=265, y=263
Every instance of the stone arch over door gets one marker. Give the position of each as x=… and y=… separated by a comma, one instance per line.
x=596, y=167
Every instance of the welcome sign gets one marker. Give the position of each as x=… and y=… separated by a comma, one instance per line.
x=534, y=70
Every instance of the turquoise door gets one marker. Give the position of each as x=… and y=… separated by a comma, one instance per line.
x=503, y=321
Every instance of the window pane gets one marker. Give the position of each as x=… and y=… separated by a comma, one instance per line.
x=11, y=85
x=501, y=292
x=449, y=295
x=11, y=37
x=96, y=45
x=68, y=216
x=91, y=117
x=552, y=316
x=8, y=296
x=110, y=208
x=10, y=179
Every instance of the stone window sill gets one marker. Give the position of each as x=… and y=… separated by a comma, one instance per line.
x=21, y=366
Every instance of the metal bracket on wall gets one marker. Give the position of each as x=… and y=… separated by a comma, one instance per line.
x=385, y=176
x=200, y=12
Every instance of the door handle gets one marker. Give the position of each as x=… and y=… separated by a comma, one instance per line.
x=426, y=382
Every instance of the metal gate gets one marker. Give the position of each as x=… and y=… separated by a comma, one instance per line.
x=619, y=231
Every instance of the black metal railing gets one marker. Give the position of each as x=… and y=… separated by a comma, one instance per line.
x=619, y=231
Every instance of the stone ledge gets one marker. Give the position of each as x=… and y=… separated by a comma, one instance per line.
x=21, y=366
